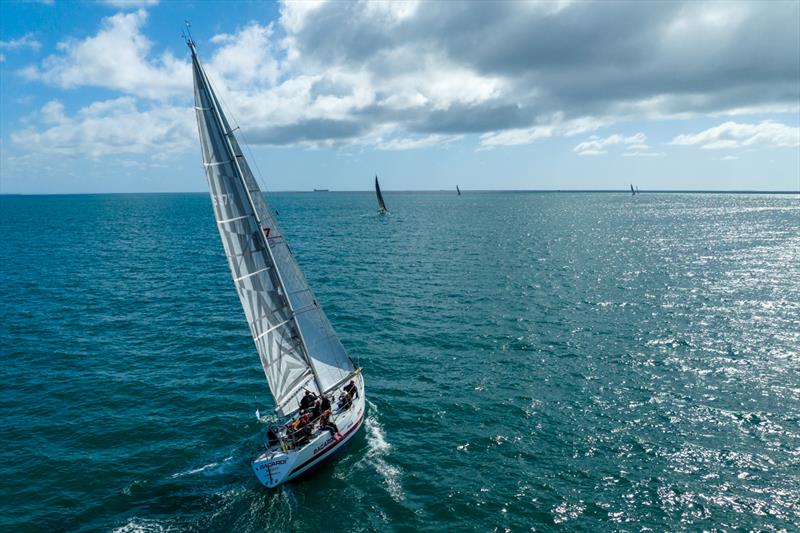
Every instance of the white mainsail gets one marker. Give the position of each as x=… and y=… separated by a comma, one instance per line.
x=295, y=341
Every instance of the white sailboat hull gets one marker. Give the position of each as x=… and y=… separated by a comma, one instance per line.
x=274, y=467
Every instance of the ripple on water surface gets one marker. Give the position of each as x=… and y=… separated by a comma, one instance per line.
x=533, y=361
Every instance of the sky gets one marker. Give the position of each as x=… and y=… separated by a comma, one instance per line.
x=96, y=96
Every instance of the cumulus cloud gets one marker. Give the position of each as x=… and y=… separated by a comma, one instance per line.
x=553, y=126
x=737, y=135
x=595, y=145
x=109, y=127
x=245, y=60
x=117, y=57
x=410, y=143
x=412, y=74
x=518, y=63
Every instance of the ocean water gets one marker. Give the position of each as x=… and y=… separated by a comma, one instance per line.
x=533, y=361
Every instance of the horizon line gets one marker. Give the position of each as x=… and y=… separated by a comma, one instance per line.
x=482, y=191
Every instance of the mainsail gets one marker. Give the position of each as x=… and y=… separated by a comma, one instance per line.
x=295, y=341
x=632, y=190
x=458, y=190
x=381, y=204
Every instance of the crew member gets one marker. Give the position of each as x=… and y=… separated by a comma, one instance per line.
x=307, y=401
x=325, y=422
x=351, y=389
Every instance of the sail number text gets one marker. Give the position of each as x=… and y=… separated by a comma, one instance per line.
x=221, y=199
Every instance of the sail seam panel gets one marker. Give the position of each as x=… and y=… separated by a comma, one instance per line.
x=273, y=328
x=251, y=274
x=226, y=221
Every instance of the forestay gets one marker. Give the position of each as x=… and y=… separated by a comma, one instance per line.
x=295, y=341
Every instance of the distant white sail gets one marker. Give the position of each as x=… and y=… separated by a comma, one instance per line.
x=296, y=344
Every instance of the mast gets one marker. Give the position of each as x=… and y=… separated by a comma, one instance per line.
x=220, y=122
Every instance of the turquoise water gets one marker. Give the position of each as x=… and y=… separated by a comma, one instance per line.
x=533, y=361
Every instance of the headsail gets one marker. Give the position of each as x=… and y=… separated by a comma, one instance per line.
x=296, y=344
x=381, y=205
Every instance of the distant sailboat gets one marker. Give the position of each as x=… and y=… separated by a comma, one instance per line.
x=296, y=343
x=637, y=189
x=458, y=190
x=381, y=204
x=633, y=191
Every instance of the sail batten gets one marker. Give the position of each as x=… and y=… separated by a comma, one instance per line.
x=290, y=330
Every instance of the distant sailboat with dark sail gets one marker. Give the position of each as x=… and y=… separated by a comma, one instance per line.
x=381, y=204
x=458, y=190
x=633, y=191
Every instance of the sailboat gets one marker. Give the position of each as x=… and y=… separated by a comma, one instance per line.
x=458, y=190
x=296, y=343
x=381, y=205
x=633, y=192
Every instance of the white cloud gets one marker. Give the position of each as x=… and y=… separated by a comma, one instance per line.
x=431, y=72
x=245, y=60
x=595, y=145
x=417, y=143
x=643, y=154
x=117, y=57
x=109, y=127
x=295, y=13
x=730, y=135
x=52, y=113
x=555, y=126
x=128, y=4
x=26, y=41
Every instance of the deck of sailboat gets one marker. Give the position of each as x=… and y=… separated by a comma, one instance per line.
x=282, y=462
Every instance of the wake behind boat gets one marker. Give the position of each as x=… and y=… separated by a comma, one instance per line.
x=317, y=390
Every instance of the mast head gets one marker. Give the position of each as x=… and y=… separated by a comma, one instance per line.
x=187, y=36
